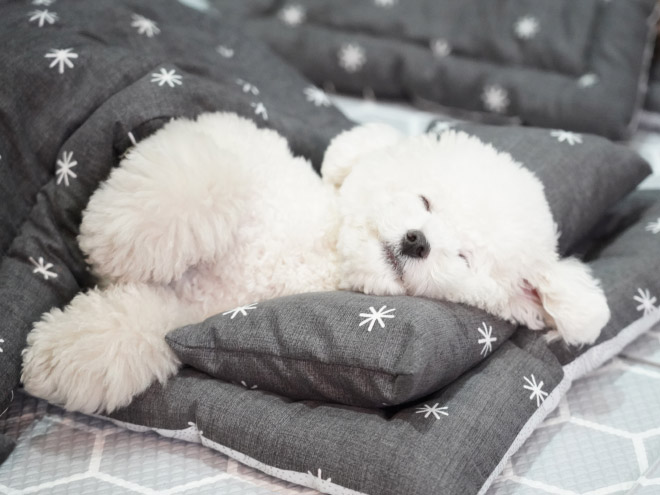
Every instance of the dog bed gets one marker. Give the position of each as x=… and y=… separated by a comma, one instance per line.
x=592, y=441
x=454, y=439
x=530, y=62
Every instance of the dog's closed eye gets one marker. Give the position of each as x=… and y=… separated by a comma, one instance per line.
x=465, y=257
x=427, y=205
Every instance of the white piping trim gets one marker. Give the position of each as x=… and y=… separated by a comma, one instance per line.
x=579, y=367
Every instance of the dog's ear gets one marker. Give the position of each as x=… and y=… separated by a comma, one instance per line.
x=345, y=149
x=564, y=296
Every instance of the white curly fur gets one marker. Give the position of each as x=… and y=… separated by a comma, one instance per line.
x=215, y=213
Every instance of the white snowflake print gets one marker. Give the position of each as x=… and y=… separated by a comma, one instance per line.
x=169, y=77
x=440, y=126
x=144, y=26
x=2, y=341
x=317, y=482
x=386, y=3
x=225, y=51
x=436, y=410
x=253, y=387
x=588, y=80
x=526, y=27
x=653, y=227
x=571, y=138
x=241, y=309
x=260, y=109
x=61, y=57
x=487, y=341
x=64, y=166
x=536, y=389
x=351, y=57
x=646, y=301
x=292, y=15
x=43, y=268
x=317, y=96
x=440, y=47
x=495, y=98
x=45, y=3
x=42, y=17
x=247, y=87
x=376, y=316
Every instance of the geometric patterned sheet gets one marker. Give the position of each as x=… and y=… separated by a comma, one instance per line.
x=603, y=439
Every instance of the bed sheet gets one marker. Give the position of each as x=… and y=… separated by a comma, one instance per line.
x=604, y=438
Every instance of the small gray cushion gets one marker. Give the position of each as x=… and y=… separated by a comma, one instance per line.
x=342, y=346
x=327, y=347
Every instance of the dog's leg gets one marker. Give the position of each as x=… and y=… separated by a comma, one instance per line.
x=104, y=348
x=174, y=202
x=565, y=296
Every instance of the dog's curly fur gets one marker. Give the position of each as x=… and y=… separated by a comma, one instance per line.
x=215, y=213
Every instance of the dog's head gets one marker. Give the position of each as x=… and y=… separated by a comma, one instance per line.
x=455, y=219
x=404, y=223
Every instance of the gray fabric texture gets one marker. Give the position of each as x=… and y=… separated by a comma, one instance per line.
x=653, y=97
x=325, y=346
x=90, y=112
x=544, y=64
x=6, y=447
x=403, y=449
x=376, y=452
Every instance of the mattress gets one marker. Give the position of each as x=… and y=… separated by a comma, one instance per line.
x=604, y=438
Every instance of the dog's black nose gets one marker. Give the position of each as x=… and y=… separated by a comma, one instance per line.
x=415, y=245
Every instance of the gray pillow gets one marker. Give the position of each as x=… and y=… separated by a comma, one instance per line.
x=574, y=64
x=342, y=346
x=322, y=346
x=583, y=175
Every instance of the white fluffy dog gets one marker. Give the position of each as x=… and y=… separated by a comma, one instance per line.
x=215, y=213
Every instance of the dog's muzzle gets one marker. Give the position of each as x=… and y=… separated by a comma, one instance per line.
x=415, y=245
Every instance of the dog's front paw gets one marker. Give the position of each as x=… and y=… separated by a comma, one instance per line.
x=99, y=353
